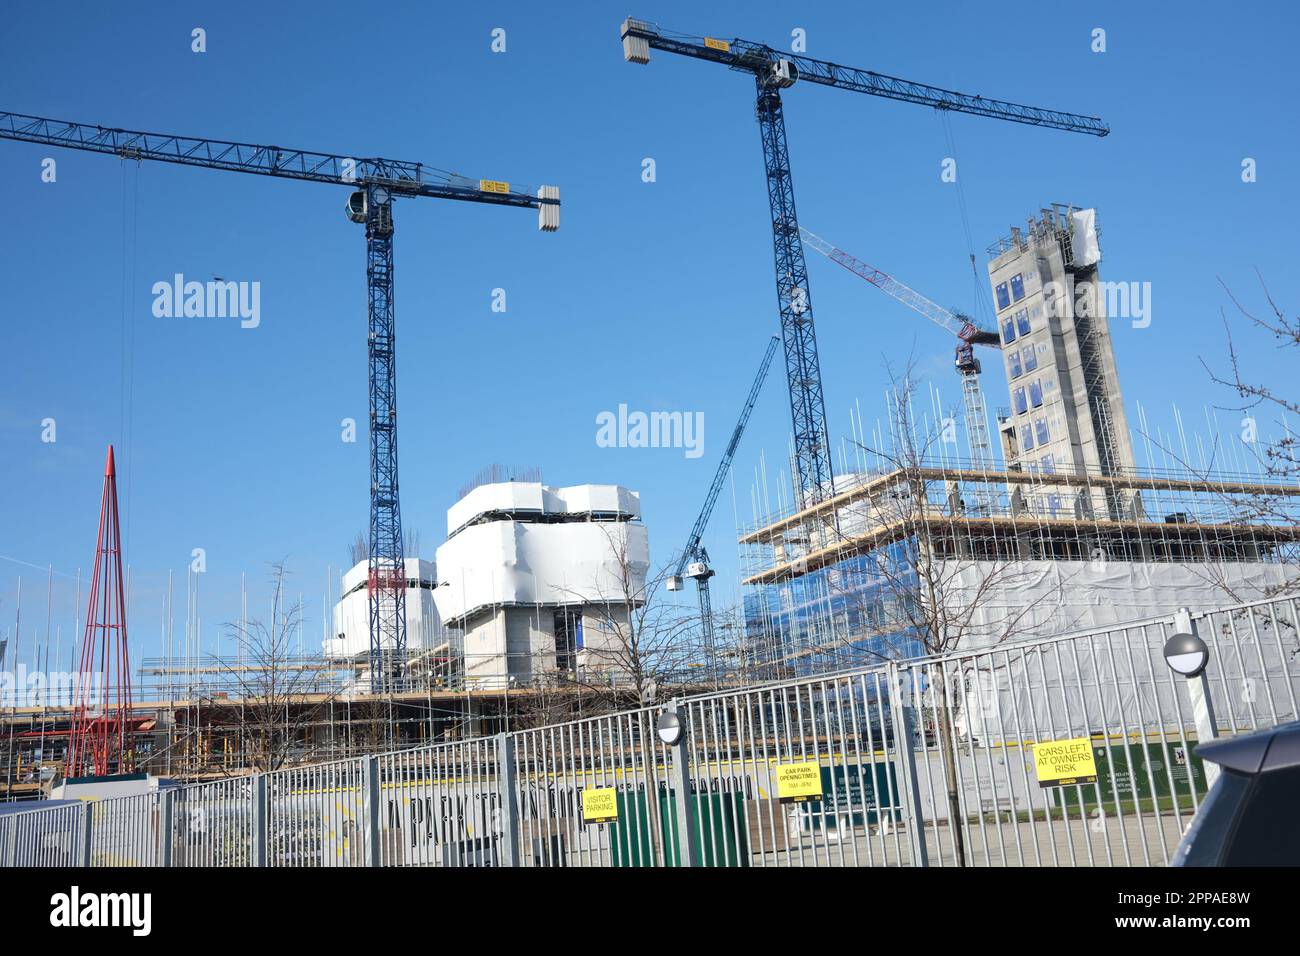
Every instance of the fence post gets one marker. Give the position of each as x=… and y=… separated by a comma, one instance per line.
x=688, y=844
x=261, y=818
x=374, y=830
x=166, y=818
x=904, y=720
x=508, y=787
x=1198, y=692
x=87, y=830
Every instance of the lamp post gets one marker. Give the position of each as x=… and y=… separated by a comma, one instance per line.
x=1187, y=655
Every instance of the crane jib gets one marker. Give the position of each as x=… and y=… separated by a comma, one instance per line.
x=639, y=37
x=399, y=177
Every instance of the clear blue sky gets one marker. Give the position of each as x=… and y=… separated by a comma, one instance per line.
x=657, y=295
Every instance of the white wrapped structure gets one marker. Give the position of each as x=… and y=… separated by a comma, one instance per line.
x=351, y=639
x=540, y=578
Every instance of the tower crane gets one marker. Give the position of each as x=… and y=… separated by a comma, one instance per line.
x=961, y=325
x=694, y=562
x=376, y=184
x=774, y=71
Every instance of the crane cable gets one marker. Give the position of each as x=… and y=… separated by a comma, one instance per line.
x=980, y=294
x=130, y=243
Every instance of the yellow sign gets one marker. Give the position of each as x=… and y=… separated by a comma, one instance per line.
x=1060, y=763
x=713, y=44
x=599, y=805
x=799, y=782
x=493, y=186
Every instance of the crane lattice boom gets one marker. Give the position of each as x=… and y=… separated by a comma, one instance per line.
x=397, y=176
x=968, y=335
x=694, y=550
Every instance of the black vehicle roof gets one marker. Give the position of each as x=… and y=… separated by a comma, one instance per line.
x=1276, y=748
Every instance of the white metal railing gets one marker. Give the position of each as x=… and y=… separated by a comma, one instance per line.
x=917, y=762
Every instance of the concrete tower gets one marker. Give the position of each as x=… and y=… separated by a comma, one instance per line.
x=1066, y=413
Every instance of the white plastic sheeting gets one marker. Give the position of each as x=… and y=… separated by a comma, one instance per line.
x=503, y=563
x=1033, y=599
x=528, y=498
x=1083, y=237
x=352, y=612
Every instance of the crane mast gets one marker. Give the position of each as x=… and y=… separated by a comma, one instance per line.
x=774, y=71
x=694, y=561
x=375, y=183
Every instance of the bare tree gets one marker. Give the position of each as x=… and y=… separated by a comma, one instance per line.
x=278, y=697
x=556, y=697
x=1280, y=458
x=358, y=550
x=1267, y=503
x=641, y=644
x=940, y=576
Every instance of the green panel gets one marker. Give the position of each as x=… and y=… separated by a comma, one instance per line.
x=721, y=824
x=1133, y=768
x=843, y=790
x=629, y=836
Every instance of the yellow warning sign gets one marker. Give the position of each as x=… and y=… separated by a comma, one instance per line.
x=1059, y=763
x=798, y=782
x=599, y=805
x=713, y=44
x=493, y=186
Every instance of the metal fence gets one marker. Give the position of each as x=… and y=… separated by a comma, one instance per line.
x=916, y=763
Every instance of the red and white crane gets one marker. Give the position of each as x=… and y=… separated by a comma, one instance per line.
x=968, y=335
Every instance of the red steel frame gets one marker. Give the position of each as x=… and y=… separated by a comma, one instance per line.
x=101, y=728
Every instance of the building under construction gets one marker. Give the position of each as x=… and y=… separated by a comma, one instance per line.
x=536, y=583
x=1066, y=411
x=919, y=551
x=1067, y=534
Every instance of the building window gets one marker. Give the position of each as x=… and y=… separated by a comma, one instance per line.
x=1049, y=464
x=1008, y=331
x=1026, y=437
x=1020, y=403
x=1004, y=299
x=1017, y=287
x=1030, y=358
x=1035, y=394
x=568, y=637
x=1040, y=429
x=1013, y=363
x=1022, y=321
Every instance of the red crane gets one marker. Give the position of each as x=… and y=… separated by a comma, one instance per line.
x=102, y=726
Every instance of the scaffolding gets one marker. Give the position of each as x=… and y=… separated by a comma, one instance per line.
x=843, y=603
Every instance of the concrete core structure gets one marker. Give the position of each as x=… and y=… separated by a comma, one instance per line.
x=1066, y=412
x=542, y=581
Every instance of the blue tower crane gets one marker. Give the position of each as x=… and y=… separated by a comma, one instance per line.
x=376, y=183
x=694, y=562
x=774, y=71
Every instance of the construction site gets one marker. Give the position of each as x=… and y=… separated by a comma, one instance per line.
x=942, y=529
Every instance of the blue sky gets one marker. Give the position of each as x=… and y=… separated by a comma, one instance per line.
x=656, y=295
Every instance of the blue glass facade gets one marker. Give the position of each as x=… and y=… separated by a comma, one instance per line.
x=844, y=615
